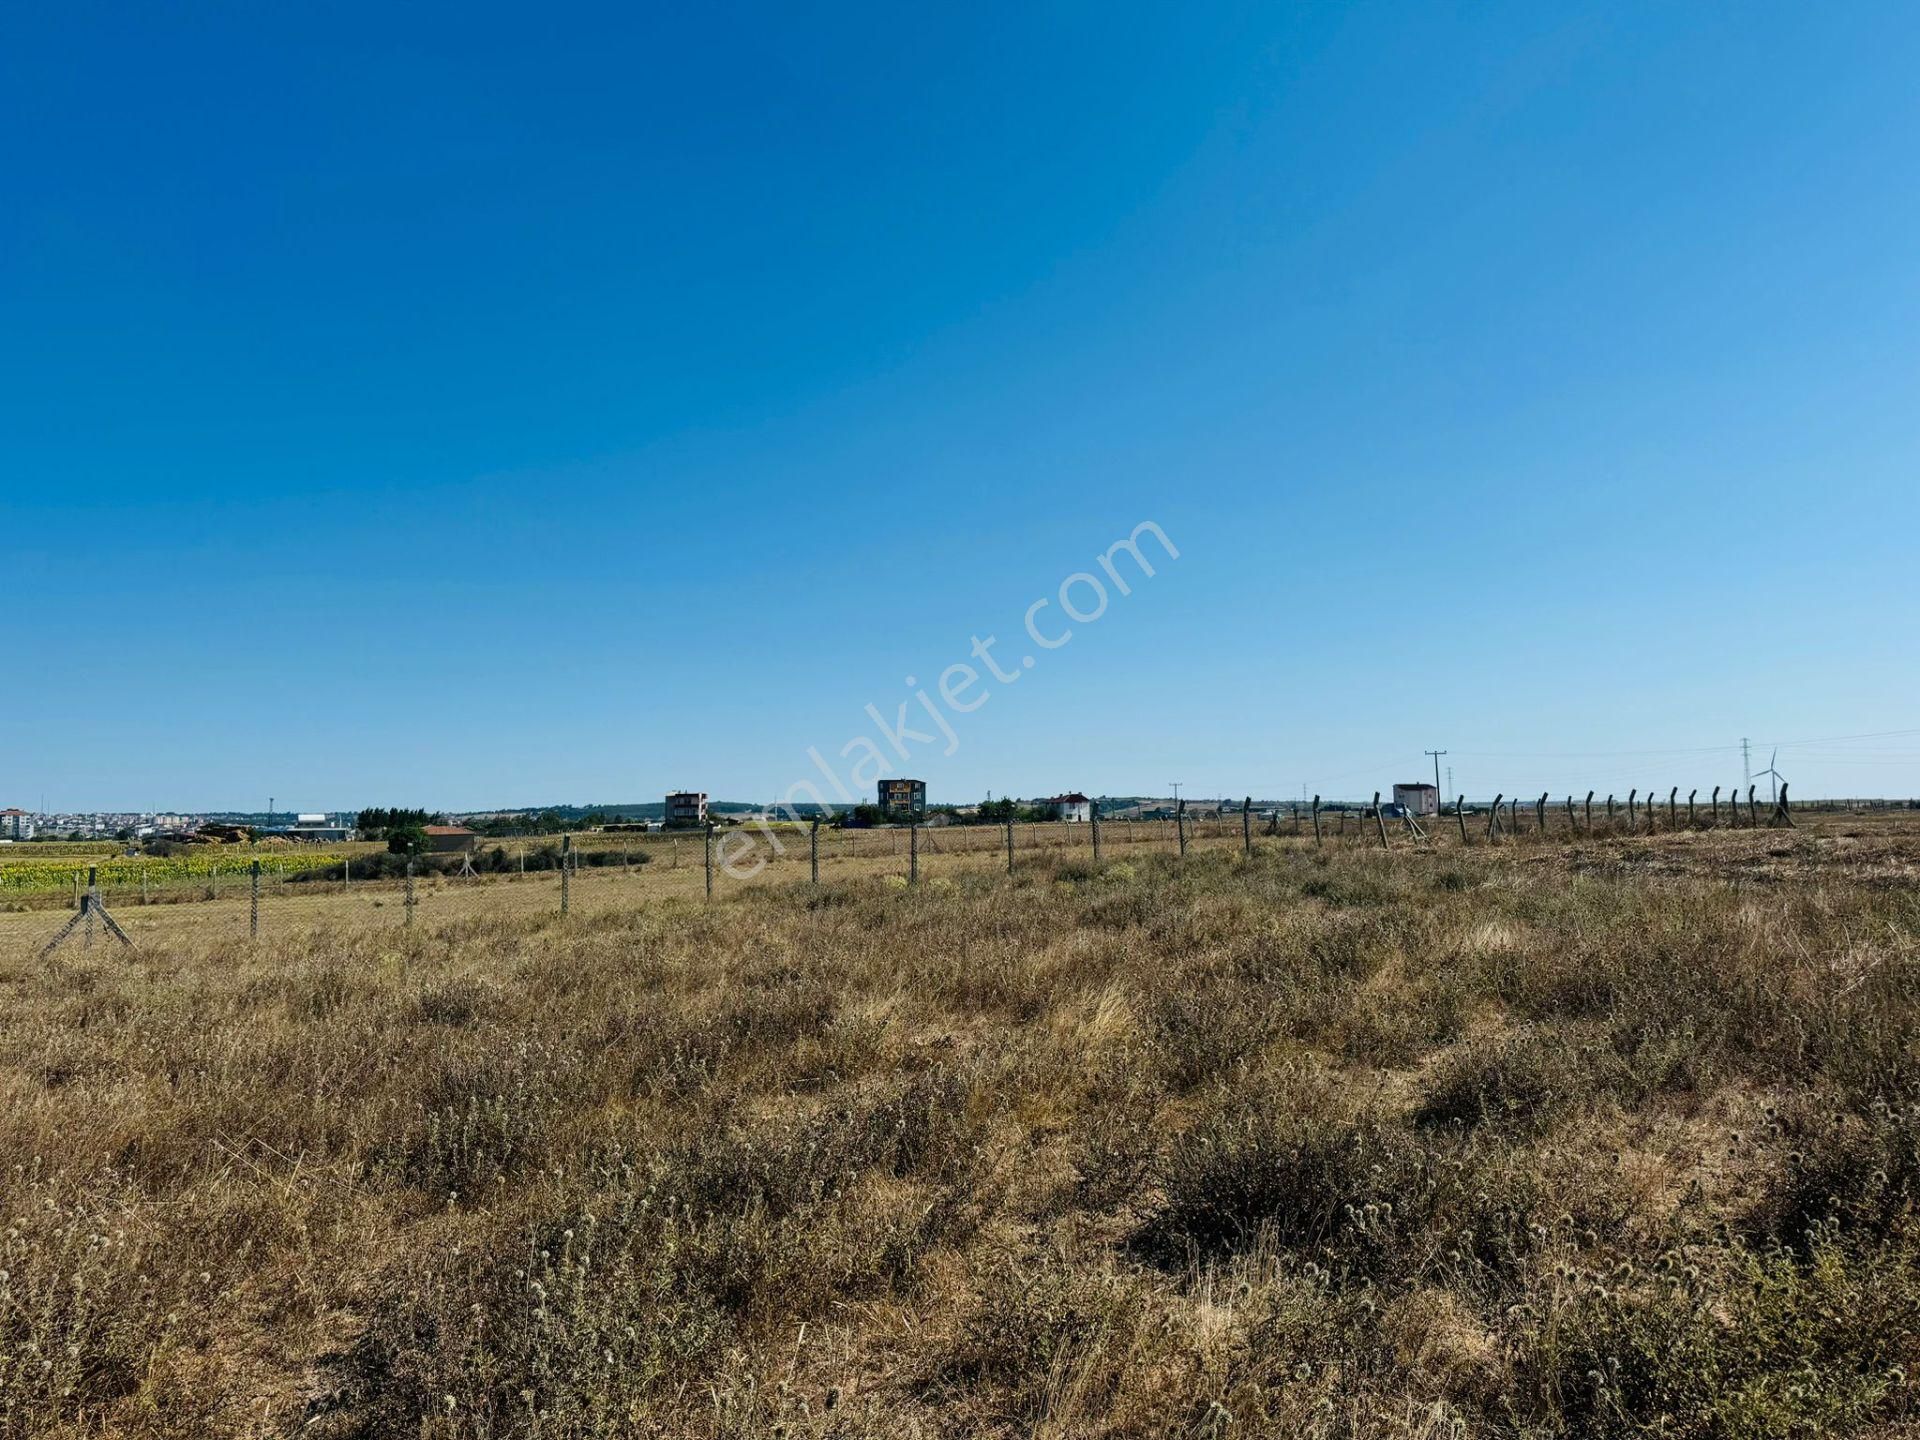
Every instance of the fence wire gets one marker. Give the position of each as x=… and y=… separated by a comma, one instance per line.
x=217, y=897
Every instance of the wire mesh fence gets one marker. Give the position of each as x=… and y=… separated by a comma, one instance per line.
x=161, y=902
x=214, y=897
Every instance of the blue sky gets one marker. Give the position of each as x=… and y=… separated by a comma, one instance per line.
x=466, y=405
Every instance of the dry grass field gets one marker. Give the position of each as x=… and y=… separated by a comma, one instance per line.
x=1600, y=1138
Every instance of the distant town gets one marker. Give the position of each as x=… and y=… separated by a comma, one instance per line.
x=895, y=801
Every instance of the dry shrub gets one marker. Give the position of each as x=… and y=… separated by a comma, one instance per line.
x=1335, y=1143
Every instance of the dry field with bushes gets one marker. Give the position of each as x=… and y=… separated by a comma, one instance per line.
x=1612, y=1138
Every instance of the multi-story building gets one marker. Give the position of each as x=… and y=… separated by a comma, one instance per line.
x=686, y=809
x=1073, y=806
x=15, y=825
x=905, y=799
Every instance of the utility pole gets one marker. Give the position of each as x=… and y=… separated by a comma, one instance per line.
x=1436, y=754
x=1176, y=793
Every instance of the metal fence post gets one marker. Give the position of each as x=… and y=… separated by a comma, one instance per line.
x=89, y=901
x=913, y=852
x=1379, y=820
x=1316, y=819
x=566, y=874
x=253, y=902
x=813, y=850
x=1180, y=826
x=1009, y=841
x=1460, y=815
x=1093, y=818
x=1246, y=826
x=410, y=896
x=709, y=839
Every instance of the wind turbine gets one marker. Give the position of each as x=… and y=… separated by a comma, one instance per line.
x=1775, y=775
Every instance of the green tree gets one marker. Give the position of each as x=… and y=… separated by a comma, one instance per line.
x=407, y=839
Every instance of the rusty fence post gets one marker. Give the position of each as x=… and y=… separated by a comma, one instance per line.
x=1246, y=825
x=813, y=850
x=1460, y=817
x=1493, y=818
x=1316, y=820
x=1379, y=820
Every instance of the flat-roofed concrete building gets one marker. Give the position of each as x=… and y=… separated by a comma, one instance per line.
x=903, y=799
x=686, y=809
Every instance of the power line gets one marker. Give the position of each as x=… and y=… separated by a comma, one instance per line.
x=1594, y=754
x=1836, y=739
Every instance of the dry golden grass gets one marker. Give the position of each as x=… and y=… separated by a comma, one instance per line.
x=1557, y=1138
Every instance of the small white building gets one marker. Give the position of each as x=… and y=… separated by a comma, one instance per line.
x=1071, y=807
x=1417, y=799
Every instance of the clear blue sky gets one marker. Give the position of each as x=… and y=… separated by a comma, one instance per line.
x=475, y=404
